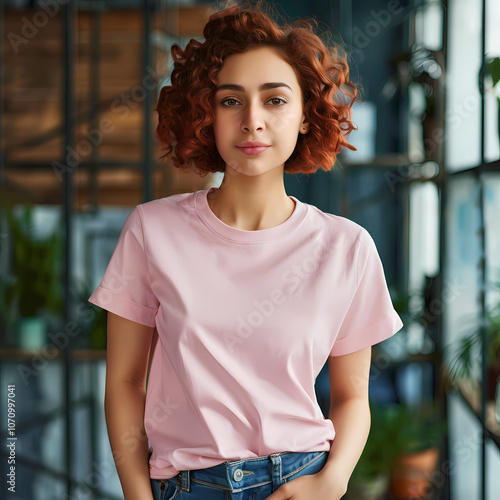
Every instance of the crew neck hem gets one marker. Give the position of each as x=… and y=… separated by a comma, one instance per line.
x=241, y=235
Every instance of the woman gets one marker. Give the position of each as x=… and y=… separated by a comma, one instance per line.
x=251, y=291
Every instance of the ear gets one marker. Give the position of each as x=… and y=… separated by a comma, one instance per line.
x=304, y=127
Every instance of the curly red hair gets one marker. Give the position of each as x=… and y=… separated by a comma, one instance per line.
x=186, y=107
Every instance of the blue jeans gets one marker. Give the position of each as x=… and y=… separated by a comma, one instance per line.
x=245, y=479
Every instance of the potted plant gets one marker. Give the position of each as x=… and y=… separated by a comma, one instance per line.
x=91, y=318
x=418, y=434
x=465, y=357
x=422, y=69
x=370, y=478
x=33, y=286
x=492, y=70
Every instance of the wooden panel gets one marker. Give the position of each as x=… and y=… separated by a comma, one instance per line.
x=115, y=187
x=33, y=119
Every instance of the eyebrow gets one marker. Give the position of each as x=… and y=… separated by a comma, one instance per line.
x=264, y=86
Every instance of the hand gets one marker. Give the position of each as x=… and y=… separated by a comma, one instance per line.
x=317, y=486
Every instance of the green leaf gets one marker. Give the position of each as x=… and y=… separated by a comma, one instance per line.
x=494, y=68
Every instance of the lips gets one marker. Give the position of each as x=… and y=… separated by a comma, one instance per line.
x=251, y=151
x=252, y=144
x=252, y=148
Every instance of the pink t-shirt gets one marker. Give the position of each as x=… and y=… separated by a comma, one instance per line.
x=245, y=322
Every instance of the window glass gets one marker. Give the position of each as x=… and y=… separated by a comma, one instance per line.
x=492, y=98
x=463, y=104
x=492, y=242
x=429, y=25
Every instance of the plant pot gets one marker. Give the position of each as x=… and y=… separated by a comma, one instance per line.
x=31, y=332
x=411, y=474
x=493, y=373
x=497, y=403
x=374, y=489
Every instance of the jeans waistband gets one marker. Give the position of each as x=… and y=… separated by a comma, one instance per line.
x=249, y=472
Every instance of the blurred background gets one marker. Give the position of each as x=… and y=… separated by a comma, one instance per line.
x=79, y=82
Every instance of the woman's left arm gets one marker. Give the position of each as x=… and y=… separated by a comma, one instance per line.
x=350, y=414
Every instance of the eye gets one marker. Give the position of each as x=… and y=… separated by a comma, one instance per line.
x=278, y=99
x=228, y=99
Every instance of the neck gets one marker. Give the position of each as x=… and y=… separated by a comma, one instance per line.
x=251, y=206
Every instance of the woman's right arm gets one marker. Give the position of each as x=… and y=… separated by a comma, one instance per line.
x=127, y=356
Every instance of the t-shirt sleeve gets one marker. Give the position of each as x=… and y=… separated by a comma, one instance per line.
x=125, y=288
x=371, y=317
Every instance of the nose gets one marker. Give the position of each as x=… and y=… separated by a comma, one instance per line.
x=252, y=117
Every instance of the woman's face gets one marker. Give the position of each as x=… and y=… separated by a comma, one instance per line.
x=257, y=111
